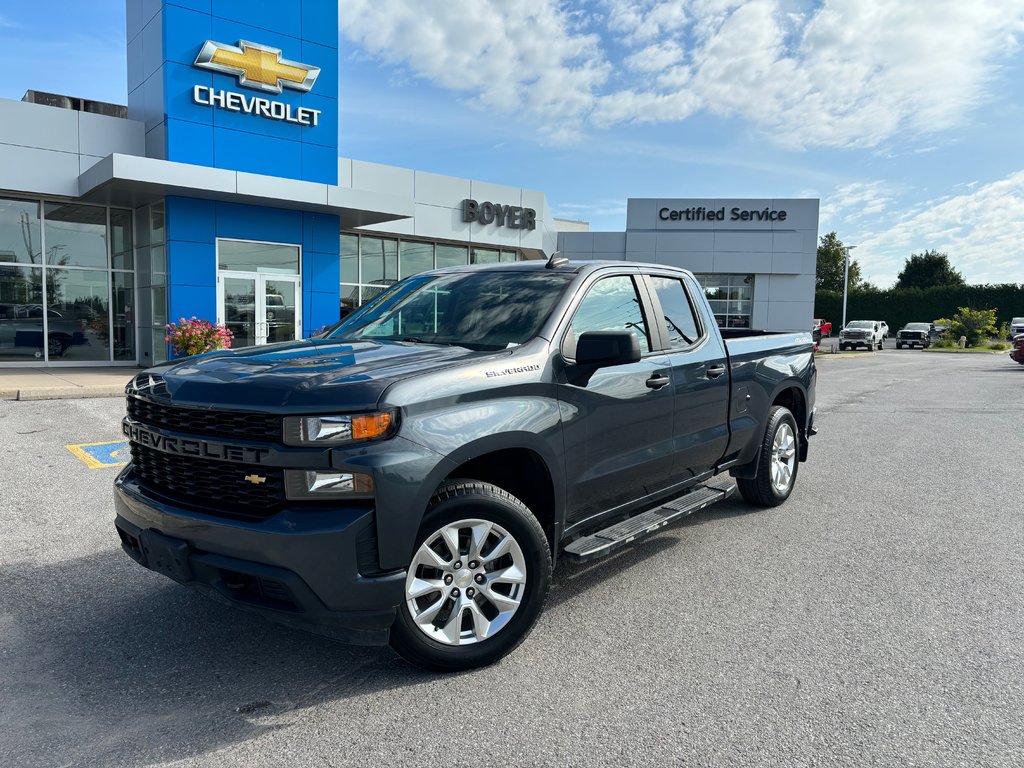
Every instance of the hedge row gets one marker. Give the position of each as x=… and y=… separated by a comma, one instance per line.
x=911, y=305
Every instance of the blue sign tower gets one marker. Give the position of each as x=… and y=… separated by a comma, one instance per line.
x=248, y=86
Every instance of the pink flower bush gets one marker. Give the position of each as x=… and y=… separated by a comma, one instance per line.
x=193, y=337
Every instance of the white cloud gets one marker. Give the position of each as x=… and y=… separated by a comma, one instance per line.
x=982, y=231
x=640, y=22
x=852, y=203
x=655, y=58
x=847, y=73
x=511, y=60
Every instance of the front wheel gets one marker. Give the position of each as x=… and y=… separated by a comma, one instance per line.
x=477, y=580
x=778, y=463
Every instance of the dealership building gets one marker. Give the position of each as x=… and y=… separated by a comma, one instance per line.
x=218, y=192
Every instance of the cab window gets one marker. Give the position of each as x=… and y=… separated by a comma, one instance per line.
x=683, y=330
x=611, y=304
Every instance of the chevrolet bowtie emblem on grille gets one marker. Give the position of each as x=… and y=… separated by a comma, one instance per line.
x=256, y=479
x=257, y=66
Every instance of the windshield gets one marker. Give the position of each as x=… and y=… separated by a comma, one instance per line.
x=861, y=324
x=918, y=327
x=485, y=310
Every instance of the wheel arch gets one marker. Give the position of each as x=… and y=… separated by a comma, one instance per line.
x=522, y=465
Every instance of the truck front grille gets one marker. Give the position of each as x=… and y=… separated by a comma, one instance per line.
x=217, y=487
x=201, y=421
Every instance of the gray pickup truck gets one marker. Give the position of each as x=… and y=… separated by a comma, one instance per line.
x=414, y=476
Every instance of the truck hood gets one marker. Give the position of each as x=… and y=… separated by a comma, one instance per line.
x=300, y=375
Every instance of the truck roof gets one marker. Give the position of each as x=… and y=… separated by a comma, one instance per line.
x=541, y=265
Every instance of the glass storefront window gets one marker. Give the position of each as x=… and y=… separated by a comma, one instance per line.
x=483, y=256
x=370, y=263
x=123, y=337
x=156, y=224
x=242, y=256
x=349, y=296
x=20, y=235
x=451, y=255
x=121, y=252
x=58, y=312
x=731, y=298
x=76, y=235
x=416, y=257
x=378, y=260
x=349, y=259
x=21, y=313
x=78, y=312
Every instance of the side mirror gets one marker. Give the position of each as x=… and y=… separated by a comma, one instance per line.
x=601, y=349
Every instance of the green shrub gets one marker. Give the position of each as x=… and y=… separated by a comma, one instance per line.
x=998, y=344
x=978, y=325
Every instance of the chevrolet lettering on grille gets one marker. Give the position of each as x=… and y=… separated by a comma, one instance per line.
x=185, y=446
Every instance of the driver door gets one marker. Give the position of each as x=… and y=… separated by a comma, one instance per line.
x=618, y=425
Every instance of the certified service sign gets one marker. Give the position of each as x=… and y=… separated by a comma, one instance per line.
x=259, y=67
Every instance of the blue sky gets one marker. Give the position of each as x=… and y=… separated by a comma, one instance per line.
x=903, y=116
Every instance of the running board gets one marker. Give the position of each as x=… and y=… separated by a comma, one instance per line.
x=608, y=540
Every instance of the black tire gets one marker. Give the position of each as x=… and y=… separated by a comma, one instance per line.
x=57, y=344
x=760, y=490
x=469, y=500
x=899, y=346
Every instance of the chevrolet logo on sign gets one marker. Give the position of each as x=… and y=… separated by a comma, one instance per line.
x=257, y=66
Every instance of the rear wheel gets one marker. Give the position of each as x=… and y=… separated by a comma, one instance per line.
x=477, y=580
x=56, y=345
x=778, y=463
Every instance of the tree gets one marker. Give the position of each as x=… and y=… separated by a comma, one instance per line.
x=928, y=269
x=831, y=258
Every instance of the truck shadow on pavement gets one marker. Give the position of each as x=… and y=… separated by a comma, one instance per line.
x=571, y=579
x=102, y=662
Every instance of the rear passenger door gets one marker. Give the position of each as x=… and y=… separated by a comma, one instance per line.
x=700, y=374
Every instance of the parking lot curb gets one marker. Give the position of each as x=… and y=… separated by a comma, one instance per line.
x=65, y=393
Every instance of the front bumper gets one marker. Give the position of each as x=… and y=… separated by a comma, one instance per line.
x=300, y=568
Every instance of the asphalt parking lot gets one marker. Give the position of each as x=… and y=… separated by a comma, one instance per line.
x=877, y=618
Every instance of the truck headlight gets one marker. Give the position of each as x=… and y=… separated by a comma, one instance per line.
x=301, y=484
x=339, y=429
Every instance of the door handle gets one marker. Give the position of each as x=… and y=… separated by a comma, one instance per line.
x=657, y=381
x=715, y=371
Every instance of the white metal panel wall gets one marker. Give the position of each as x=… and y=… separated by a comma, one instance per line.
x=780, y=254
x=43, y=150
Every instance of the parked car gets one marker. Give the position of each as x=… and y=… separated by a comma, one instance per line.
x=1016, y=326
x=821, y=328
x=415, y=486
x=21, y=328
x=937, y=330
x=861, y=333
x=884, y=326
x=1017, y=353
x=914, y=335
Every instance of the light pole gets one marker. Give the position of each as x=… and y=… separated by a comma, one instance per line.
x=846, y=279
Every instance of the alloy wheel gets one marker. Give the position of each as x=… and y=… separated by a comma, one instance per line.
x=466, y=582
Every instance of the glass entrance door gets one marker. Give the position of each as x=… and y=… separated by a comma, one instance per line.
x=259, y=308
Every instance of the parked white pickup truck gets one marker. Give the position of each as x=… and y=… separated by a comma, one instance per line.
x=861, y=333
